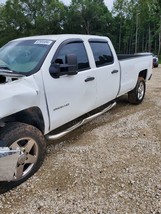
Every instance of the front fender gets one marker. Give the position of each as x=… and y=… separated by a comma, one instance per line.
x=18, y=95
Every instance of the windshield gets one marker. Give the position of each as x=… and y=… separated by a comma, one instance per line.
x=24, y=56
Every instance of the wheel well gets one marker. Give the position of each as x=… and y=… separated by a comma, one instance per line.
x=143, y=73
x=32, y=116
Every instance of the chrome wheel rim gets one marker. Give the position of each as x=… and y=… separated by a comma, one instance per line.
x=28, y=156
x=141, y=90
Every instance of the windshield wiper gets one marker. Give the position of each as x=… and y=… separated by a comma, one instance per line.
x=6, y=71
x=9, y=73
x=5, y=68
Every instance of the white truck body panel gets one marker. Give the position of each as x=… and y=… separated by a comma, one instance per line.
x=128, y=76
x=22, y=93
x=68, y=97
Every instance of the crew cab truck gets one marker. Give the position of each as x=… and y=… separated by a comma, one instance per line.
x=50, y=85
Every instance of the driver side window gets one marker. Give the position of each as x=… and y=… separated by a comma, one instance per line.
x=76, y=48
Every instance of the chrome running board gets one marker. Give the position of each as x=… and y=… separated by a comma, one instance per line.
x=61, y=134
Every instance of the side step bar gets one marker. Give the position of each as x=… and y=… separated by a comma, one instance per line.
x=61, y=134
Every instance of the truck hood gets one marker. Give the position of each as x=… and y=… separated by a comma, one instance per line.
x=17, y=93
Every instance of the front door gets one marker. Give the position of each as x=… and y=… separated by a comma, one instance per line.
x=70, y=96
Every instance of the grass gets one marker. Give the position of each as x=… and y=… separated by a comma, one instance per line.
x=160, y=59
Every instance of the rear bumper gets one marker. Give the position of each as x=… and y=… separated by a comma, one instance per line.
x=8, y=163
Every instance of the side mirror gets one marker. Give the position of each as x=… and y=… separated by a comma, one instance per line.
x=58, y=69
x=54, y=70
x=71, y=60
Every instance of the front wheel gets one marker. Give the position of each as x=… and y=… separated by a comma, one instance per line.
x=32, y=147
x=136, y=96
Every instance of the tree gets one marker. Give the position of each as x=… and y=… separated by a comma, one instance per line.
x=136, y=26
x=88, y=17
x=133, y=25
x=158, y=28
x=27, y=17
x=45, y=16
x=12, y=21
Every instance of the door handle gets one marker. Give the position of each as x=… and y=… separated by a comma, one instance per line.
x=89, y=79
x=114, y=71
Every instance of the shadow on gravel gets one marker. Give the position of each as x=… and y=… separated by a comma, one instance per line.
x=122, y=102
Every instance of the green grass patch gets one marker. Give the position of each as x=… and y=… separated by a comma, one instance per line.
x=160, y=59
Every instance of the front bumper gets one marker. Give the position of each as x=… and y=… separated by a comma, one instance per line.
x=8, y=163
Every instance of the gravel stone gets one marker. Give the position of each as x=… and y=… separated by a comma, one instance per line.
x=111, y=165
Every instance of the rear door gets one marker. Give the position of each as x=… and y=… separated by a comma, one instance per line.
x=107, y=69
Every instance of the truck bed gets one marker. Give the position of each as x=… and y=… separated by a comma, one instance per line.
x=131, y=65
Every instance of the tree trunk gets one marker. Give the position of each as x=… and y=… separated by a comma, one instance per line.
x=136, y=33
x=159, y=43
x=143, y=43
x=120, y=39
x=149, y=46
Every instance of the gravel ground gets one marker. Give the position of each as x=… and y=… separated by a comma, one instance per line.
x=111, y=165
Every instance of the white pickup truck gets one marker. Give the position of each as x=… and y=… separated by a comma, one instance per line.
x=50, y=85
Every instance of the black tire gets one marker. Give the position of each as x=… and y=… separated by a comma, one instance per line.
x=33, y=148
x=136, y=96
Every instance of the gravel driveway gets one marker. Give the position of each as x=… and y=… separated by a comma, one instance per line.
x=111, y=165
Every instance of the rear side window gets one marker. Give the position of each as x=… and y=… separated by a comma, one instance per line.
x=102, y=53
x=76, y=48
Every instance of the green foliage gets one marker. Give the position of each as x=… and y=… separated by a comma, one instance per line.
x=27, y=17
x=140, y=25
x=132, y=25
x=88, y=17
x=160, y=59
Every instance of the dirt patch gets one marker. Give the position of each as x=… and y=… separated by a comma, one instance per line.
x=111, y=165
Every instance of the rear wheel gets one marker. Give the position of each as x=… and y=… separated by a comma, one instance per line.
x=136, y=96
x=32, y=147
